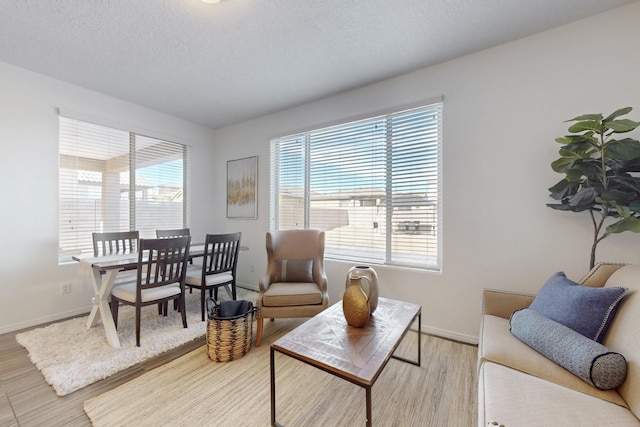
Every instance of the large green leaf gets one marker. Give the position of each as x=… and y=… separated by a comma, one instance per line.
x=625, y=224
x=583, y=137
x=567, y=207
x=570, y=153
x=620, y=197
x=635, y=206
x=617, y=113
x=584, y=197
x=630, y=165
x=574, y=174
x=563, y=189
x=624, y=149
x=593, y=125
x=591, y=117
x=562, y=164
x=621, y=126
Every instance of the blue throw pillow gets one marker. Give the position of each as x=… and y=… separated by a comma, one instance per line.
x=584, y=309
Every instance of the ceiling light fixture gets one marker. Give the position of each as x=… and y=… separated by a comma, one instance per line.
x=211, y=1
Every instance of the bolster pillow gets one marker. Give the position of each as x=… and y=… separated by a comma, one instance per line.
x=586, y=358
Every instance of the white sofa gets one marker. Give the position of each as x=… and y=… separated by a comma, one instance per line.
x=517, y=386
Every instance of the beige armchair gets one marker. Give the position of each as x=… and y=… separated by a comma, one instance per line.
x=295, y=284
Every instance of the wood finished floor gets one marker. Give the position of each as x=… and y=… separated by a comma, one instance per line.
x=27, y=400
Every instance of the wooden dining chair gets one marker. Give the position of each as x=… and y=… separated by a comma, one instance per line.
x=115, y=242
x=179, y=232
x=218, y=267
x=161, y=269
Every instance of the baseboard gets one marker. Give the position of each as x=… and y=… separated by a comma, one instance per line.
x=248, y=286
x=454, y=336
x=41, y=321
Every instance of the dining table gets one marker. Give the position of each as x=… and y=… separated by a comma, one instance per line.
x=103, y=272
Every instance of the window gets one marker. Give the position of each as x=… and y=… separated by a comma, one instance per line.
x=115, y=180
x=373, y=185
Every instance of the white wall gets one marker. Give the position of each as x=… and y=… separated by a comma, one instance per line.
x=30, y=277
x=503, y=108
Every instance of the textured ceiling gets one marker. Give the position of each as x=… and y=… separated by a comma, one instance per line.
x=239, y=59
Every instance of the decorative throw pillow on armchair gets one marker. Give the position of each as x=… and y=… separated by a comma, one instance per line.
x=295, y=270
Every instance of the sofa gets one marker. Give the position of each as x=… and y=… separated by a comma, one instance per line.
x=519, y=386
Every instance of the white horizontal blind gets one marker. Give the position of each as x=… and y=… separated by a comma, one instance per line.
x=372, y=185
x=100, y=168
x=160, y=201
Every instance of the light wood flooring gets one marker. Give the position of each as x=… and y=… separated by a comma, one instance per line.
x=27, y=400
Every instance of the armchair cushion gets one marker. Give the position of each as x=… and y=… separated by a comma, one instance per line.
x=295, y=270
x=584, y=309
x=282, y=294
x=591, y=361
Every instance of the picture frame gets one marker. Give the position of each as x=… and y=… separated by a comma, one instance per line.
x=242, y=188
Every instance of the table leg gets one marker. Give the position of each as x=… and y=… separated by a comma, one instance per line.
x=273, y=388
x=96, y=283
x=368, y=403
x=103, y=285
x=414, y=362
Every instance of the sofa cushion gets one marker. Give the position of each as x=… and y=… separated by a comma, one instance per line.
x=624, y=334
x=513, y=398
x=584, y=309
x=295, y=270
x=591, y=361
x=497, y=344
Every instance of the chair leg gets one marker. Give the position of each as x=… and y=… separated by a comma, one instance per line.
x=203, y=293
x=259, y=325
x=138, y=325
x=114, y=311
x=183, y=309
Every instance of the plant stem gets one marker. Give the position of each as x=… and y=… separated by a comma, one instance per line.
x=597, y=227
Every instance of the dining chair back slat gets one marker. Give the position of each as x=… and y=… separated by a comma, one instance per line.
x=173, y=233
x=115, y=242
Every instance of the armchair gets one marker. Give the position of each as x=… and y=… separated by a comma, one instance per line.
x=295, y=284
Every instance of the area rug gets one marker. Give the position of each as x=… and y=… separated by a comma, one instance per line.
x=70, y=356
x=195, y=391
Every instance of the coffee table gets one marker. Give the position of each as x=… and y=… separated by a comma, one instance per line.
x=357, y=355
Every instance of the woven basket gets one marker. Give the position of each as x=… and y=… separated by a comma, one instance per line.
x=229, y=339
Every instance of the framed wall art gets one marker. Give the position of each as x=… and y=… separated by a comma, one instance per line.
x=242, y=188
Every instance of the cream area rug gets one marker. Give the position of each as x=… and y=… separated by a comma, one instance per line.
x=70, y=356
x=195, y=391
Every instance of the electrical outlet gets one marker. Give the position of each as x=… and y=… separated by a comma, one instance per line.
x=65, y=288
x=251, y=268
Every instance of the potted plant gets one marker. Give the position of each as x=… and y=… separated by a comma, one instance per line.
x=601, y=174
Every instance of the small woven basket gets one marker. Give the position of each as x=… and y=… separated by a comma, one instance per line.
x=228, y=338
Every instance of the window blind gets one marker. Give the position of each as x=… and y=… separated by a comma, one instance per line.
x=115, y=180
x=373, y=185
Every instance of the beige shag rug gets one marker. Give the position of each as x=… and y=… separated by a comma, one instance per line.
x=70, y=356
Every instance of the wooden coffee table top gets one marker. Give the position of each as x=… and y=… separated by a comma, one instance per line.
x=327, y=342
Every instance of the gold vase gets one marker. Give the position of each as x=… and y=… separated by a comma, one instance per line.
x=369, y=286
x=355, y=303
